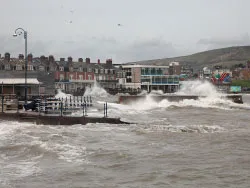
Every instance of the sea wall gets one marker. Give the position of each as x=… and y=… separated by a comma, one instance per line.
x=126, y=99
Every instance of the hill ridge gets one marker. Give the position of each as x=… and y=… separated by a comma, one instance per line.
x=226, y=57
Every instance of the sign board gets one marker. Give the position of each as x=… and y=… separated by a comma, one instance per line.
x=235, y=89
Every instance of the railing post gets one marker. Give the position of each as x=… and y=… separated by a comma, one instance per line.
x=87, y=101
x=61, y=108
x=106, y=109
x=17, y=105
x=85, y=109
x=90, y=100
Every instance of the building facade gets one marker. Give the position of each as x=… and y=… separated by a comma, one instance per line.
x=149, y=77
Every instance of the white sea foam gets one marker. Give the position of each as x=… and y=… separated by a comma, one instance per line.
x=67, y=152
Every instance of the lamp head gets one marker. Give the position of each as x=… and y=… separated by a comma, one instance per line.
x=14, y=35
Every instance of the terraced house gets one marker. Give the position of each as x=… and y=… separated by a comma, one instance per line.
x=45, y=75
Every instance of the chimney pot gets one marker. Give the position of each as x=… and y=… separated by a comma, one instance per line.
x=7, y=56
x=80, y=60
x=98, y=61
x=20, y=57
x=62, y=59
x=51, y=58
x=30, y=57
x=88, y=60
x=42, y=58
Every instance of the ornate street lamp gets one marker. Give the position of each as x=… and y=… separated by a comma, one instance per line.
x=20, y=31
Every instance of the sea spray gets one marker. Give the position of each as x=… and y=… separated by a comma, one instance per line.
x=63, y=95
x=198, y=87
x=96, y=91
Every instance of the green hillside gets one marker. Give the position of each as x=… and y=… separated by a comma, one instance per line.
x=224, y=56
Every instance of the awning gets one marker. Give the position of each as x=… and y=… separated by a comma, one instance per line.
x=11, y=81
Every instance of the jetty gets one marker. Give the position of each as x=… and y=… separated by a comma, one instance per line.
x=126, y=99
x=52, y=111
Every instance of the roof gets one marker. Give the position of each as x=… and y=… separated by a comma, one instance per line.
x=12, y=81
x=143, y=66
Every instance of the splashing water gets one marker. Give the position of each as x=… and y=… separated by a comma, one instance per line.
x=61, y=94
x=96, y=91
x=200, y=88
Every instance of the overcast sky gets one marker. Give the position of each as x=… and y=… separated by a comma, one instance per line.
x=150, y=29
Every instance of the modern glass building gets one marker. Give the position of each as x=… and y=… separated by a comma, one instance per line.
x=150, y=77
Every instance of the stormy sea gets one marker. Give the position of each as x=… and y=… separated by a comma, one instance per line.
x=191, y=143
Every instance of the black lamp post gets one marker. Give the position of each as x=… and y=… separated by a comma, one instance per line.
x=25, y=35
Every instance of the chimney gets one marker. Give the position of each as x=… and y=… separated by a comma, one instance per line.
x=62, y=59
x=42, y=58
x=0, y=56
x=7, y=56
x=30, y=57
x=98, y=61
x=80, y=60
x=51, y=58
x=109, y=62
x=70, y=59
x=88, y=60
x=21, y=57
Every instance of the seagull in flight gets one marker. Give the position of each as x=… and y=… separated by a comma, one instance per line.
x=119, y=25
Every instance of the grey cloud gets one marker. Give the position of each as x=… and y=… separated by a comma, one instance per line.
x=215, y=41
x=95, y=48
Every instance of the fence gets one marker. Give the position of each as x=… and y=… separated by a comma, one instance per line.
x=51, y=106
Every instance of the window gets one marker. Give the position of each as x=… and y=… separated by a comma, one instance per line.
x=102, y=71
x=80, y=69
x=80, y=77
x=19, y=67
x=61, y=77
x=41, y=68
x=30, y=68
x=71, y=76
x=90, y=77
x=106, y=71
x=61, y=68
x=7, y=67
x=89, y=70
x=96, y=71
